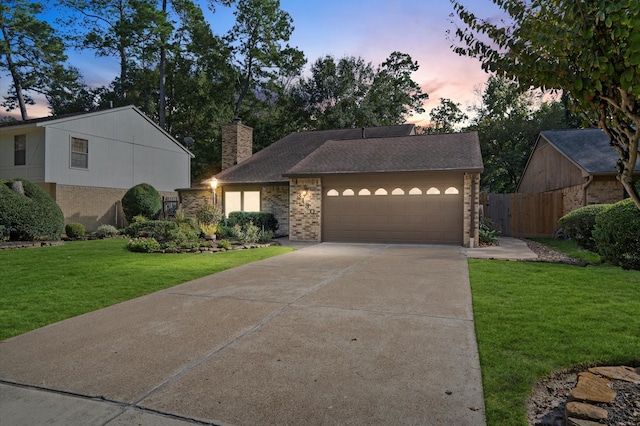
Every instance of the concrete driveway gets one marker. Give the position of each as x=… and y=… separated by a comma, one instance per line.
x=330, y=334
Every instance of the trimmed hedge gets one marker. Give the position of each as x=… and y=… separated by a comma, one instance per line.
x=31, y=216
x=579, y=224
x=617, y=234
x=74, y=230
x=263, y=220
x=142, y=199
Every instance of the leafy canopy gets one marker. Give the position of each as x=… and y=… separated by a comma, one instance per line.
x=588, y=49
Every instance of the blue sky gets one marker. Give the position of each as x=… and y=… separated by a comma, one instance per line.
x=371, y=29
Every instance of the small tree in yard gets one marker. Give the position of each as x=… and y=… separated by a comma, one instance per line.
x=590, y=50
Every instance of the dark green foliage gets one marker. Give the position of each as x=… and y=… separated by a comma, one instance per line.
x=225, y=244
x=489, y=232
x=579, y=225
x=32, y=216
x=74, y=230
x=151, y=228
x=143, y=245
x=170, y=235
x=224, y=232
x=265, y=237
x=142, y=199
x=209, y=214
x=617, y=234
x=246, y=234
x=263, y=220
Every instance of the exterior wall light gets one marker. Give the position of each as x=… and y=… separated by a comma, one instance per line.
x=214, y=185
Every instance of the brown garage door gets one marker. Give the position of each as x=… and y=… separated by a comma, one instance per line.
x=402, y=208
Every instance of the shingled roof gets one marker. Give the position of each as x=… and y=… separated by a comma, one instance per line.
x=589, y=149
x=433, y=152
x=272, y=163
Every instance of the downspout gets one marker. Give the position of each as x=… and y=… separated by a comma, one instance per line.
x=584, y=190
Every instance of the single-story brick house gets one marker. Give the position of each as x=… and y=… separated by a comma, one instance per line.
x=371, y=185
x=87, y=161
x=579, y=163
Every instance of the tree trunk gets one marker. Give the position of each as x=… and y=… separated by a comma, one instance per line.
x=15, y=76
x=163, y=62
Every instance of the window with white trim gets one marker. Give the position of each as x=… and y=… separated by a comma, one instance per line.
x=79, y=153
x=19, y=150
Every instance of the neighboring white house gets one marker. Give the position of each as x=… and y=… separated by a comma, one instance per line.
x=88, y=161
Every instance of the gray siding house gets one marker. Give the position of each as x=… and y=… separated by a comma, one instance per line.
x=88, y=161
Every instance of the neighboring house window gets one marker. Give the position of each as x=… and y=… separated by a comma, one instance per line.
x=19, y=150
x=79, y=153
x=241, y=201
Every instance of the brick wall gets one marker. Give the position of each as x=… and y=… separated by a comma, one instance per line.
x=275, y=199
x=193, y=199
x=605, y=191
x=471, y=180
x=306, y=209
x=600, y=191
x=93, y=206
x=572, y=198
x=237, y=143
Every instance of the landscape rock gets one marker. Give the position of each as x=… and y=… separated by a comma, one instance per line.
x=581, y=410
x=627, y=374
x=581, y=422
x=592, y=388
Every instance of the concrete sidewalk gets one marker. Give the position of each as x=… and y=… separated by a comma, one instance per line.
x=329, y=334
x=507, y=249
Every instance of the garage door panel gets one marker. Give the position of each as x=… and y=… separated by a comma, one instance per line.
x=408, y=218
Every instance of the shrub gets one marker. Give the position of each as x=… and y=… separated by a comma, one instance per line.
x=183, y=235
x=106, y=231
x=74, y=230
x=579, y=224
x=169, y=234
x=265, y=237
x=143, y=245
x=4, y=233
x=617, y=234
x=33, y=215
x=142, y=199
x=225, y=244
x=489, y=232
x=139, y=218
x=209, y=215
x=263, y=220
x=247, y=234
x=224, y=232
x=151, y=228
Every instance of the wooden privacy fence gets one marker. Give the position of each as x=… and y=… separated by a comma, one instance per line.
x=524, y=215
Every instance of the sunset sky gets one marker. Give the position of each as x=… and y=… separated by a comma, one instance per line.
x=371, y=29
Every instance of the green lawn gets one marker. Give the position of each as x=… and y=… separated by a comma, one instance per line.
x=40, y=286
x=533, y=319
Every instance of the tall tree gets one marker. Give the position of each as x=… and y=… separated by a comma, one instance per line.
x=352, y=93
x=125, y=29
x=394, y=95
x=446, y=117
x=31, y=52
x=588, y=49
x=258, y=41
x=508, y=122
x=200, y=85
